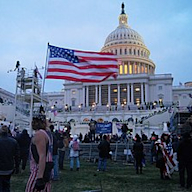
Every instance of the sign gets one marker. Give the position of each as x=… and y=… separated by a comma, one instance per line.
x=103, y=128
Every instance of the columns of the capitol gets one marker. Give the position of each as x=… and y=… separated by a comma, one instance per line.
x=84, y=97
x=87, y=96
x=109, y=95
x=99, y=95
x=133, y=69
x=128, y=94
x=146, y=92
x=128, y=67
x=142, y=94
x=96, y=94
x=118, y=95
x=132, y=98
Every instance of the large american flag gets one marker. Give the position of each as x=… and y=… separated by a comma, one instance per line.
x=81, y=66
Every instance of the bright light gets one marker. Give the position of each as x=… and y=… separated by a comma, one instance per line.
x=137, y=89
x=115, y=90
x=52, y=107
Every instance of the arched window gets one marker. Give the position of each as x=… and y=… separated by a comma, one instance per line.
x=134, y=52
x=120, y=51
x=125, y=51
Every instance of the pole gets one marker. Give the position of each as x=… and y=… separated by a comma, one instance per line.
x=46, y=62
x=14, y=119
x=31, y=108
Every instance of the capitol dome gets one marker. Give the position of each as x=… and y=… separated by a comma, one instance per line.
x=130, y=48
x=124, y=34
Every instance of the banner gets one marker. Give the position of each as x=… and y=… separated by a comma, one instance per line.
x=103, y=128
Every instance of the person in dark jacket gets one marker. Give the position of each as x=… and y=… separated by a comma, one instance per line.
x=9, y=158
x=138, y=153
x=184, y=156
x=24, y=142
x=55, y=154
x=104, y=149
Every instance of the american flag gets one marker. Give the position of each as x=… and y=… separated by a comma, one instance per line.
x=81, y=66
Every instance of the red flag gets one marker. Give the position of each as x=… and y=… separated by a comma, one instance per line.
x=81, y=66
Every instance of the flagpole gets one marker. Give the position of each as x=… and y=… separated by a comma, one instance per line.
x=45, y=71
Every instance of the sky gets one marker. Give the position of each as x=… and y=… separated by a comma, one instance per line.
x=26, y=27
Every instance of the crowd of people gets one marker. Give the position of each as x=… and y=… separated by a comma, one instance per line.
x=47, y=148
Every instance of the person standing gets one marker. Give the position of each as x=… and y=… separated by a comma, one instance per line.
x=165, y=157
x=9, y=158
x=40, y=153
x=92, y=126
x=24, y=143
x=74, y=152
x=184, y=156
x=104, y=149
x=138, y=154
x=63, y=143
x=55, y=154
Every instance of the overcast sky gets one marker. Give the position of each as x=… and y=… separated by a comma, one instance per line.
x=27, y=26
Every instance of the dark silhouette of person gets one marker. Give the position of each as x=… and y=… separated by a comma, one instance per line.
x=138, y=153
x=184, y=156
x=24, y=143
x=17, y=66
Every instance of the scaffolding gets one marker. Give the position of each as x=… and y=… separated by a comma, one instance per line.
x=28, y=98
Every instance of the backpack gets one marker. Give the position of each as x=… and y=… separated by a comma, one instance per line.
x=75, y=145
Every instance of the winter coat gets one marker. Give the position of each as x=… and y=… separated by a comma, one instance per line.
x=9, y=155
x=104, y=149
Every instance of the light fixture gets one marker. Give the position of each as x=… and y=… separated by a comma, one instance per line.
x=137, y=89
x=115, y=90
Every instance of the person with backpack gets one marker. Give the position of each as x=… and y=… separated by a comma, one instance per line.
x=74, y=152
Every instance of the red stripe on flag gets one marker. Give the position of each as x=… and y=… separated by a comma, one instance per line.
x=75, y=79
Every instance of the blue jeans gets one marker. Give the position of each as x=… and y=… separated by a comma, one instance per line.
x=55, y=168
x=5, y=183
x=61, y=158
x=72, y=162
x=102, y=161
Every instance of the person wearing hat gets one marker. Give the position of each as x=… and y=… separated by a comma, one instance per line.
x=74, y=152
x=9, y=158
x=41, y=151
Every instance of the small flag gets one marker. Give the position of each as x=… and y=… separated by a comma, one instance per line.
x=80, y=66
x=37, y=70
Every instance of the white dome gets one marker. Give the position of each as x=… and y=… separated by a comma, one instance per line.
x=124, y=34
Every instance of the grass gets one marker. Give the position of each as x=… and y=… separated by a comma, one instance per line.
x=118, y=178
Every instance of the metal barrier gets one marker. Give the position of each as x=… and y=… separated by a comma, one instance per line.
x=120, y=151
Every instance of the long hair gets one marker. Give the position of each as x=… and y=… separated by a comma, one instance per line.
x=39, y=122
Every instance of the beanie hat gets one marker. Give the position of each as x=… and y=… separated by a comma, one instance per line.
x=4, y=129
